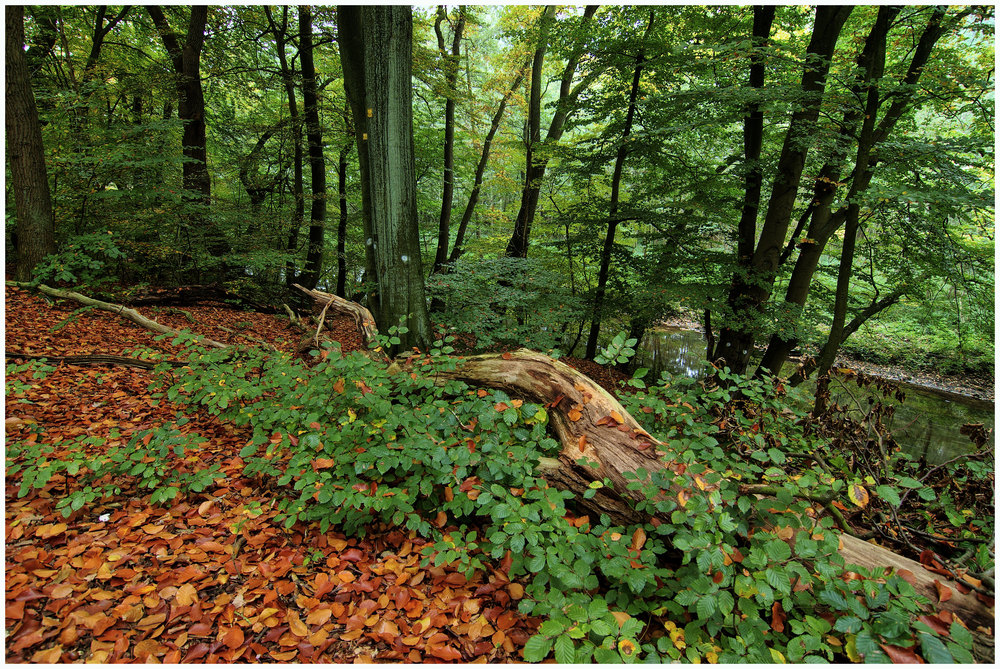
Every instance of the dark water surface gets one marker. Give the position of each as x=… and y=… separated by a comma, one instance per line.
x=926, y=423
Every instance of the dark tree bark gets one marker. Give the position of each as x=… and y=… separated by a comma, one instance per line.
x=753, y=138
x=35, y=222
x=281, y=40
x=317, y=165
x=101, y=31
x=616, y=181
x=385, y=36
x=450, y=62
x=186, y=61
x=823, y=225
x=44, y=16
x=753, y=280
x=535, y=167
x=342, y=222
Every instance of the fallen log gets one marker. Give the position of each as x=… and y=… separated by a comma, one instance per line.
x=118, y=309
x=601, y=441
x=95, y=359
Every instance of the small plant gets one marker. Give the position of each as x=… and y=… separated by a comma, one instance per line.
x=82, y=260
x=619, y=351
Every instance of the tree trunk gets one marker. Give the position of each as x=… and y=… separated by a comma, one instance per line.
x=477, y=183
x=753, y=139
x=342, y=221
x=386, y=58
x=351, y=44
x=450, y=65
x=534, y=171
x=317, y=165
x=616, y=181
x=35, y=235
x=186, y=60
x=288, y=78
x=752, y=284
x=595, y=429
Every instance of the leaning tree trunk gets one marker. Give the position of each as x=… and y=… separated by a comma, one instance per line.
x=592, y=426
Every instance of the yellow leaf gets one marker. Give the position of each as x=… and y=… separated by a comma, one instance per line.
x=858, y=495
x=777, y=657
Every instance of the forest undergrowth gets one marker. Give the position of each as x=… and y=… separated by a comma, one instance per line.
x=188, y=544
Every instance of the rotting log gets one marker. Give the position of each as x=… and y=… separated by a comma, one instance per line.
x=118, y=309
x=95, y=359
x=593, y=426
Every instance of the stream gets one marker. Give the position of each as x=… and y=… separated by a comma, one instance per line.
x=926, y=424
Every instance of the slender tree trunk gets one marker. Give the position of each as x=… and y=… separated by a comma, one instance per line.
x=535, y=167
x=342, y=222
x=35, y=223
x=317, y=165
x=871, y=65
x=753, y=138
x=298, y=190
x=450, y=63
x=386, y=39
x=836, y=337
x=186, y=60
x=616, y=181
x=752, y=283
x=477, y=184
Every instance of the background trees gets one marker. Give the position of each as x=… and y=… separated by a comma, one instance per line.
x=789, y=176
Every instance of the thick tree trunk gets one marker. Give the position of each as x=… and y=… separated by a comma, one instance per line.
x=317, y=165
x=35, y=222
x=385, y=111
x=616, y=182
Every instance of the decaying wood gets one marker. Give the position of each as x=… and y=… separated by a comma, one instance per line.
x=96, y=359
x=121, y=310
x=338, y=305
x=601, y=441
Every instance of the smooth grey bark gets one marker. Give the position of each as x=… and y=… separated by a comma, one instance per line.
x=386, y=34
x=32, y=202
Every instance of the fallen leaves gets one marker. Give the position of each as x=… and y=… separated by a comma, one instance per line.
x=204, y=578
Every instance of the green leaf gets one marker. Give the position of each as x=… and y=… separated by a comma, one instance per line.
x=889, y=494
x=706, y=607
x=537, y=648
x=565, y=650
x=933, y=650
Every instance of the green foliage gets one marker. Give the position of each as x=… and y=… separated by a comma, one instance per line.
x=83, y=260
x=506, y=303
x=18, y=378
x=153, y=460
x=619, y=351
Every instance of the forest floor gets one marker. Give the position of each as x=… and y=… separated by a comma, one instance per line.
x=205, y=578
x=980, y=387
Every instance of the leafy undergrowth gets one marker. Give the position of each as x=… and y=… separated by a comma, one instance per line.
x=208, y=576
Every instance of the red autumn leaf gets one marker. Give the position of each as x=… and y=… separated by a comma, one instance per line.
x=501, y=407
x=778, y=618
x=446, y=653
x=574, y=415
x=907, y=576
x=718, y=577
x=901, y=655
x=233, y=638
x=943, y=591
x=323, y=463
x=935, y=624
x=506, y=355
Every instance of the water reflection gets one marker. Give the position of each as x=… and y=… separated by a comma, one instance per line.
x=925, y=425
